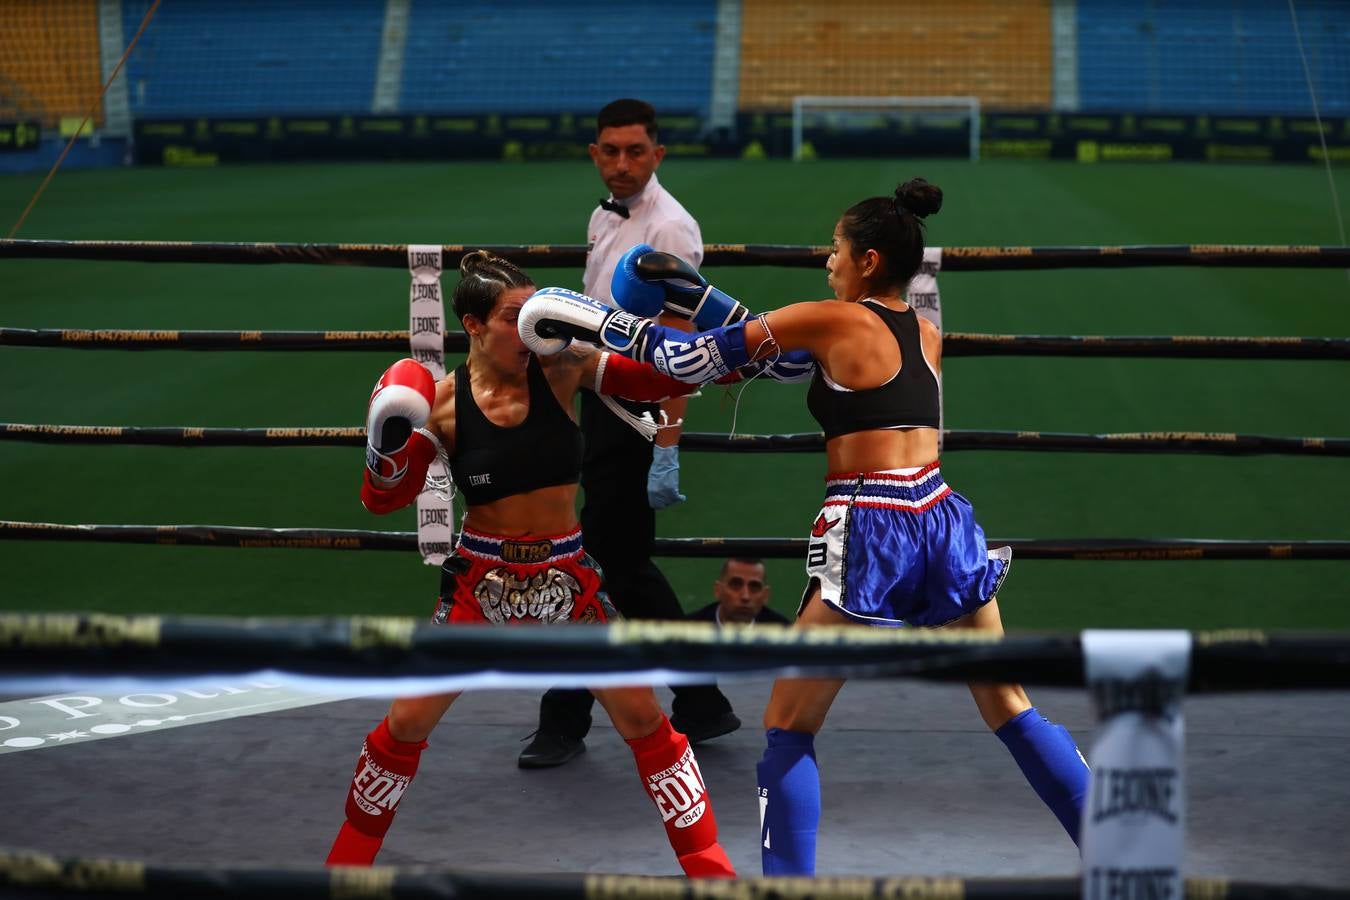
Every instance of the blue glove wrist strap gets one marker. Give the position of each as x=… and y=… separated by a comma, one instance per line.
x=696, y=358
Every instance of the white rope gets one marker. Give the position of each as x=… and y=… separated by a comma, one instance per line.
x=643, y=424
x=736, y=408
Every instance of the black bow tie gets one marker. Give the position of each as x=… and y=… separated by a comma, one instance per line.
x=615, y=207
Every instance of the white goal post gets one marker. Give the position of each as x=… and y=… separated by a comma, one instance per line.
x=803, y=105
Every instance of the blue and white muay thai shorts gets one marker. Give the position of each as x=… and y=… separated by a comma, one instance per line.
x=900, y=547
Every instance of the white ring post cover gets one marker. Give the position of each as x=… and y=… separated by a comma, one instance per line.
x=426, y=326
x=922, y=294
x=1133, y=829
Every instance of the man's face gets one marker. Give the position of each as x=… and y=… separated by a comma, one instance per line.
x=626, y=157
x=741, y=592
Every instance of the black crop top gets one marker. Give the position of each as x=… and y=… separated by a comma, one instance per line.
x=491, y=462
x=908, y=400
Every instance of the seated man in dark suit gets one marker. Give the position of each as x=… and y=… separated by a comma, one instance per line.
x=742, y=593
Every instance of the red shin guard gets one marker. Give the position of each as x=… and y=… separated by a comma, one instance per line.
x=670, y=774
x=383, y=771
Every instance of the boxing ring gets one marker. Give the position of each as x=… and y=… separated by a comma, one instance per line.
x=60, y=652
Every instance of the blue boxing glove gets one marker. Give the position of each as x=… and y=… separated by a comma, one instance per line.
x=696, y=358
x=663, y=478
x=648, y=282
x=788, y=367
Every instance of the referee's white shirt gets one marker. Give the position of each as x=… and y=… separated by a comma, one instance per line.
x=655, y=218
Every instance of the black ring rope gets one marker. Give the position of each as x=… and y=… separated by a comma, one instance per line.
x=93, y=645
x=957, y=344
x=109, y=877
x=1081, y=549
x=960, y=439
x=814, y=442
x=954, y=344
x=954, y=259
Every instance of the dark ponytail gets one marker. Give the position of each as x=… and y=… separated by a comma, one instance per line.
x=919, y=197
x=893, y=226
x=482, y=279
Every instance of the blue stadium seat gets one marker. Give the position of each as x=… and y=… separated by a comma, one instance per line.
x=539, y=56
x=1212, y=56
x=254, y=57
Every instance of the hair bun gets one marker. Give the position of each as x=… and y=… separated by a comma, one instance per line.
x=474, y=259
x=919, y=197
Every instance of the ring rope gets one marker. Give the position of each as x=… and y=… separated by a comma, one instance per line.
x=384, y=650
x=953, y=343
x=954, y=259
x=961, y=439
x=813, y=442
x=59, y=875
x=1080, y=549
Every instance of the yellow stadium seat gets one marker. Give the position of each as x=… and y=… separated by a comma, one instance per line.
x=888, y=48
x=49, y=58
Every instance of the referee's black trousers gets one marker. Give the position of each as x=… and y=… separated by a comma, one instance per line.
x=618, y=528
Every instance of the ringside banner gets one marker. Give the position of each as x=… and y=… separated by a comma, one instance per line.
x=24, y=135
x=59, y=720
x=1004, y=134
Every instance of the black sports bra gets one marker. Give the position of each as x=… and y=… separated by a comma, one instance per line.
x=491, y=461
x=908, y=400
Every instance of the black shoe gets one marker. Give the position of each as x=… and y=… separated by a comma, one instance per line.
x=549, y=749
x=699, y=730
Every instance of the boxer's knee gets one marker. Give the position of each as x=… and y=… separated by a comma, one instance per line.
x=801, y=704
x=634, y=711
x=413, y=719
x=999, y=702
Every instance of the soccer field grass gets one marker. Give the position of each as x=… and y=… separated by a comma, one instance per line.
x=1016, y=495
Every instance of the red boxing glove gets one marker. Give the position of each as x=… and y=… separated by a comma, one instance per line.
x=398, y=448
x=415, y=458
x=632, y=380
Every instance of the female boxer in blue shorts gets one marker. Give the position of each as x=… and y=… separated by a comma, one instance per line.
x=504, y=420
x=893, y=544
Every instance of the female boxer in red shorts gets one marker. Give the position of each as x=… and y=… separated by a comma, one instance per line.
x=504, y=420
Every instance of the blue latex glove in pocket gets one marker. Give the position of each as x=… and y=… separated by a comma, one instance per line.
x=663, y=478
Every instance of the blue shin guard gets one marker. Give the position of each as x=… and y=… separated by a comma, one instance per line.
x=789, y=803
x=1048, y=757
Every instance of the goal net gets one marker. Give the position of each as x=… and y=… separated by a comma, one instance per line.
x=885, y=126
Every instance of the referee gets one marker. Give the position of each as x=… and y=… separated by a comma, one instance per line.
x=626, y=477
